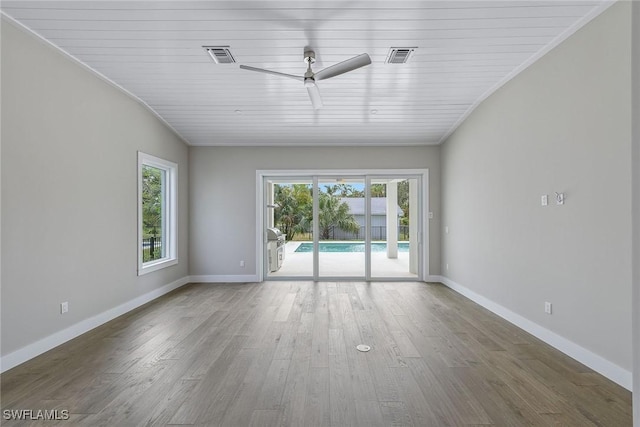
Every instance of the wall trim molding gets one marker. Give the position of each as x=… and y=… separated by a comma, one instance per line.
x=32, y=350
x=598, y=363
x=224, y=278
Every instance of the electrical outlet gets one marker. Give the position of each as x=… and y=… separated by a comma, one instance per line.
x=64, y=307
x=547, y=307
x=447, y=266
x=544, y=200
x=242, y=263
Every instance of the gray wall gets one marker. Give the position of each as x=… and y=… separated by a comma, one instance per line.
x=69, y=183
x=561, y=125
x=636, y=212
x=223, y=195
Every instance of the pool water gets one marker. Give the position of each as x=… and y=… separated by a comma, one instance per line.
x=349, y=247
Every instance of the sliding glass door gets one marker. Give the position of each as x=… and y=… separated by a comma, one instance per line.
x=394, y=209
x=342, y=227
x=288, y=234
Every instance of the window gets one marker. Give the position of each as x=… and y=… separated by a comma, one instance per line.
x=157, y=213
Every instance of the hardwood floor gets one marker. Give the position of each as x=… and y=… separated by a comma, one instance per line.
x=283, y=354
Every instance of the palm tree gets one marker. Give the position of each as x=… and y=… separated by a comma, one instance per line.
x=333, y=212
x=293, y=202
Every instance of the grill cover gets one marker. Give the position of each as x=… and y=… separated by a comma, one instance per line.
x=274, y=234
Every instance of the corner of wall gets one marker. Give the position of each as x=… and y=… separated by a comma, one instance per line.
x=35, y=349
x=598, y=363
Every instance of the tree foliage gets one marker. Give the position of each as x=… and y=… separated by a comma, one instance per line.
x=293, y=202
x=151, y=200
x=294, y=211
x=332, y=213
x=343, y=190
x=378, y=190
x=403, y=201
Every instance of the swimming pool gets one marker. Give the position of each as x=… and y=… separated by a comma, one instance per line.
x=349, y=247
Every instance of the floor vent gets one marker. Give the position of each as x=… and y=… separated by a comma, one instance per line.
x=400, y=55
x=220, y=54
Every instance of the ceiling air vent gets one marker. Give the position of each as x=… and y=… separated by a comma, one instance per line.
x=400, y=55
x=220, y=54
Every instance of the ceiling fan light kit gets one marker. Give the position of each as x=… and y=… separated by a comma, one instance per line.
x=310, y=78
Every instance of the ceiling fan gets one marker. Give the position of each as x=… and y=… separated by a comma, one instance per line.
x=310, y=78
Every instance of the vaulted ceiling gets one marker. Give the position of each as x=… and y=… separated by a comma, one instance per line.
x=154, y=50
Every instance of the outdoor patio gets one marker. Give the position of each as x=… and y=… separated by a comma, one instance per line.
x=346, y=264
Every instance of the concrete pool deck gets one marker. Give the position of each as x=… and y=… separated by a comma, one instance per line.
x=346, y=264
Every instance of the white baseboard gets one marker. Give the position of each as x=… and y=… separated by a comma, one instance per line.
x=45, y=344
x=218, y=278
x=599, y=364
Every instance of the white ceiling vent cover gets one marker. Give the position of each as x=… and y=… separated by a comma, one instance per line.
x=220, y=54
x=400, y=55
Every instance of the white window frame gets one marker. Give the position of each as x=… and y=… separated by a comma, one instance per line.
x=170, y=213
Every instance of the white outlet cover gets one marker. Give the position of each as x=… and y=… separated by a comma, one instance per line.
x=544, y=200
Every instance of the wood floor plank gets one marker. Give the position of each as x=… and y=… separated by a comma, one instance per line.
x=500, y=403
x=212, y=382
x=271, y=394
x=284, y=353
x=285, y=308
x=451, y=404
x=317, y=411
x=237, y=413
x=368, y=413
x=422, y=413
x=375, y=335
x=294, y=393
x=341, y=396
x=587, y=403
x=395, y=414
x=320, y=339
x=265, y=418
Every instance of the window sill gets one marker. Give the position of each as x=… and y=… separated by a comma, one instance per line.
x=156, y=265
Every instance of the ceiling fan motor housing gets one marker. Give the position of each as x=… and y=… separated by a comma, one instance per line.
x=309, y=57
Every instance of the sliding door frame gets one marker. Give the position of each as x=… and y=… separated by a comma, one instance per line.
x=315, y=175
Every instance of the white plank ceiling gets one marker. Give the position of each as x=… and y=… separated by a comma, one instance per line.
x=153, y=49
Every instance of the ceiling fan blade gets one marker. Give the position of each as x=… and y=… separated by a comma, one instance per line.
x=314, y=95
x=343, y=67
x=275, y=73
